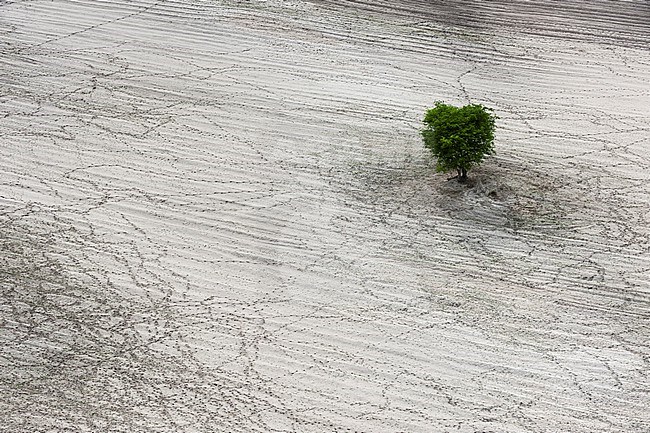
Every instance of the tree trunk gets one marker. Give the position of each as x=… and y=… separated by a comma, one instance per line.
x=462, y=174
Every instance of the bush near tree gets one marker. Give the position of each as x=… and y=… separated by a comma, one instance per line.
x=459, y=137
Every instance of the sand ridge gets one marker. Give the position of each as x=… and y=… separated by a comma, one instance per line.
x=219, y=216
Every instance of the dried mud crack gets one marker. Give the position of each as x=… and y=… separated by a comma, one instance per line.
x=79, y=353
x=218, y=216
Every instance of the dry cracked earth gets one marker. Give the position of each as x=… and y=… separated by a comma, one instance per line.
x=218, y=216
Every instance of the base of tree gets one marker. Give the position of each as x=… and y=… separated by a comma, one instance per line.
x=461, y=179
x=462, y=175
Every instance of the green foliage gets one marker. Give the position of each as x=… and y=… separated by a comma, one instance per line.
x=459, y=138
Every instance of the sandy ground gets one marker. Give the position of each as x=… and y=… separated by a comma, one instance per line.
x=218, y=216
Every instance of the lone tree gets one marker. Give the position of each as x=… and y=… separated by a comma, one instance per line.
x=459, y=137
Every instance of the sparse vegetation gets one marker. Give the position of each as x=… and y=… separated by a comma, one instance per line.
x=459, y=138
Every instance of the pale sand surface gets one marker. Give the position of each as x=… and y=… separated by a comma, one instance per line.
x=218, y=216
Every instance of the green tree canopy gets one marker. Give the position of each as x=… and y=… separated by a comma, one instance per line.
x=459, y=138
